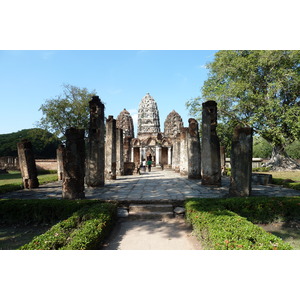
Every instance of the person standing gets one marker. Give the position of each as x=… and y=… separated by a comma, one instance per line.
x=144, y=165
x=149, y=163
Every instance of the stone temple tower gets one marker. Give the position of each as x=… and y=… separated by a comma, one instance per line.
x=125, y=122
x=148, y=117
x=173, y=124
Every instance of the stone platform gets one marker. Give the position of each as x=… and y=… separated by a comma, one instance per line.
x=150, y=187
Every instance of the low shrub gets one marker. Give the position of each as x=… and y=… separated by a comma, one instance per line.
x=84, y=230
x=222, y=229
x=264, y=209
x=261, y=169
x=38, y=211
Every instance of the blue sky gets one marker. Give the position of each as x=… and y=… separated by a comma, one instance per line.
x=121, y=78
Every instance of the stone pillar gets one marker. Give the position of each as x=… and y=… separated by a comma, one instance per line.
x=119, y=152
x=142, y=154
x=110, y=149
x=157, y=155
x=132, y=155
x=74, y=165
x=176, y=154
x=169, y=156
x=27, y=165
x=210, y=155
x=194, y=151
x=127, y=150
x=59, y=158
x=184, y=156
x=241, y=162
x=95, y=145
x=222, y=159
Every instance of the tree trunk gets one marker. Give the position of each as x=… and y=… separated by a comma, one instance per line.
x=280, y=160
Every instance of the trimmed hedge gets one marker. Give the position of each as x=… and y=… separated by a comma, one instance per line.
x=221, y=229
x=38, y=211
x=84, y=230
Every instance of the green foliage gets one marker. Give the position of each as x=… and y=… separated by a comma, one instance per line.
x=43, y=142
x=257, y=88
x=293, y=150
x=84, y=230
x=71, y=109
x=38, y=211
x=261, y=148
x=261, y=169
x=222, y=224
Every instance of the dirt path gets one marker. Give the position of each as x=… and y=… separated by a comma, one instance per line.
x=169, y=234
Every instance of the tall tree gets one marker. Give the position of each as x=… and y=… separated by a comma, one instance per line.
x=261, y=89
x=70, y=109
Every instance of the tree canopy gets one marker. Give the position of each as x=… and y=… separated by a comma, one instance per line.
x=43, y=142
x=70, y=109
x=256, y=88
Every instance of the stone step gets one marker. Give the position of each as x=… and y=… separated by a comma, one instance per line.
x=151, y=215
x=136, y=208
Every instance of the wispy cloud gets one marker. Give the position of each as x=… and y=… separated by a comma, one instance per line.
x=201, y=67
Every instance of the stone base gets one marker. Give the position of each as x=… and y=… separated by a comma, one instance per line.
x=261, y=179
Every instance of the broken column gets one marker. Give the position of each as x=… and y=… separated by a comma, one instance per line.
x=73, y=165
x=176, y=154
x=184, y=151
x=59, y=158
x=110, y=149
x=194, y=152
x=210, y=150
x=241, y=162
x=27, y=165
x=95, y=147
x=223, y=159
x=119, y=152
x=127, y=149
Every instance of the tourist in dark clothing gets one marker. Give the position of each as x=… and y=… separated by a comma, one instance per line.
x=149, y=163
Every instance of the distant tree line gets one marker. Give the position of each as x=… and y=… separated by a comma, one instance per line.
x=44, y=143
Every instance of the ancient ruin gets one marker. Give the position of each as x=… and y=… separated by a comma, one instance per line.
x=95, y=145
x=59, y=158
x=210, y=154
x=184, y=153
x=173, y=124
x=241, y=162
x=110, y=149
x=150, y=141
x=124, y=121
x=194, y=152
x=119, y=152
x=27, y=165
x=74, y=165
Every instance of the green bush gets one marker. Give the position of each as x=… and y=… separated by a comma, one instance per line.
x=38, y=211
x=84, y=230
x=222, y=229
x=261, y=169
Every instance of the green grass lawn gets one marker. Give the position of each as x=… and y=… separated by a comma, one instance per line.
x=283, y=177
x=13, y=181
x=293, y=175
